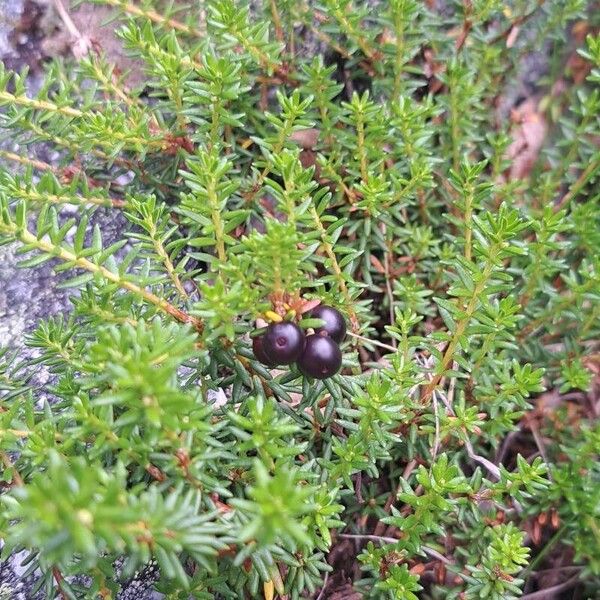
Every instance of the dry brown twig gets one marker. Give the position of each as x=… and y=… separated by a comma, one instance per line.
x=82, y=44
x=7, y=462
x=548, y=592
x=491, y=468
x=323, y=587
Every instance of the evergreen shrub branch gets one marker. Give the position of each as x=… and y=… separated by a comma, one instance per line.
x=261, y=185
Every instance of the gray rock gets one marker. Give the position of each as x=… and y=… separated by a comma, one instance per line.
x=25, y=297
x=12, y=587
x=28, y=295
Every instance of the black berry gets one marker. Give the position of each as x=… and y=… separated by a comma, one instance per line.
x=259, y=352
x=335, y=325
x=321, y=358
x=283, y=342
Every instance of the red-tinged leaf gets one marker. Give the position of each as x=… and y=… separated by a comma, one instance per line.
x=306, y=138
x=512, y=36
x=308, y=305
x=377, y=264
x=528, y=138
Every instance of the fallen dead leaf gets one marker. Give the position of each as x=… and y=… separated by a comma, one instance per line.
x=306, y=138
x=528, y=137
x=431, y=68
x=417, y=569
x=377, y=265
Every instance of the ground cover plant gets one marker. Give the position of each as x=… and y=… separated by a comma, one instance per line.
x=276, y=162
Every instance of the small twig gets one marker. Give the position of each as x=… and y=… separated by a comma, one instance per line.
x=358, y=488
x=490, y=466
x=276, y=21
x=374, y=342
x=58, y=578
x=28, y=238
x=543, y=594
x=33, y=195
x=337, y=270
x=170, y=268
x=16, y=476
x=505, y=446
x=435, y=554
x=66, y=19
x=461, y=326
x=466, y=28
x=372, y=538
x=572, y=568
x=355, y=35
x=324, y=586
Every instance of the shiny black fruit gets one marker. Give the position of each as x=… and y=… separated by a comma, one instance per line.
x=321, y=358
x=259, y=352
x=283, y=342
x=335, y=325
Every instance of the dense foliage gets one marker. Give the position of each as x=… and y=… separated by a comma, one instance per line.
x=377, y=176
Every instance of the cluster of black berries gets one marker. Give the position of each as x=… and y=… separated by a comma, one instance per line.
x=317, y=355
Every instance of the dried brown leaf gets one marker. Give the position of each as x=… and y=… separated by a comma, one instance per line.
x=377, y=264
x=528, y=138
x=308, y=158
x=306, y=138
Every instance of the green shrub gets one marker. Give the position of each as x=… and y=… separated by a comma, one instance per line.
x=379, y=177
